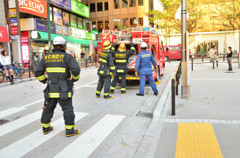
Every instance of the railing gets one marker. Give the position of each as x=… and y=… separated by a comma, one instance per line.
x=174, y=85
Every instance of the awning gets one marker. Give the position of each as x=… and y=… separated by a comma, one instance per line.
x=3, y=34
x=43, y=36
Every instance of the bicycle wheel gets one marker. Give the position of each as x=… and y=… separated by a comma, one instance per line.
x=1, y=76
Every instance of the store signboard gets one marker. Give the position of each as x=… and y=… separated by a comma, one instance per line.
x=66, y=4
x=25, y=47
x=88, y=35
x=13, y=21
x=35, y=7
x=14, y=30
x=81, y=34
x=3, y=34
x=79, y=8
x=13, y=13
x=95, y=32
x=58, y=29
x=42, y=25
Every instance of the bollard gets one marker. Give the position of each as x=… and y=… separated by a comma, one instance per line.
x=29, y=71
x=213, y=64
x=173, y=97
x=202, y=58
x=169, y=59
x=238, y=60
x=224, y=57
x=192, y=63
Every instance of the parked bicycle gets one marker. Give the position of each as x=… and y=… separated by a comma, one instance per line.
x=17, y=70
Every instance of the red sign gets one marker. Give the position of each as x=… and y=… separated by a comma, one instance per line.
x=25, y=47
x=14, y=30
x=3, y=34
x=35, y=7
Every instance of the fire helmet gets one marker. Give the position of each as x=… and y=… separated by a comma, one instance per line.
x=106, y=45
x=144, y=45
x=122, y=47
x=59, y=41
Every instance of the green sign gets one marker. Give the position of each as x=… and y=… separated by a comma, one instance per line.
x=88, y=35
x=95, y=32
x=79, y=8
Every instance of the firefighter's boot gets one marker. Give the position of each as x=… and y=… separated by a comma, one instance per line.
x=111, y=91
x=47, y=130
x=108, y=97
x=98, y=95
x=123, y=92
x=72, y=132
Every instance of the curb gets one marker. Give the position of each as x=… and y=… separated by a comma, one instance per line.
x=150, y=139
x=18, y=81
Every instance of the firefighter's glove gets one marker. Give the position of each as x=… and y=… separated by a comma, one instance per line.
x=136, y=73
x=156, y=70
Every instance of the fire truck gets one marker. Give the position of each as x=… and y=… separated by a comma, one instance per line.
x=137, y=35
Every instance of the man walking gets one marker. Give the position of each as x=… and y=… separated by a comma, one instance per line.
x=105, y=70
x=213, y=55
x=143, y=68
x=121, y=60
x=59, y=65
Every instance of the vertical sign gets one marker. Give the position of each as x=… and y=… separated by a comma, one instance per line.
x=25, y=47
x=13, y=21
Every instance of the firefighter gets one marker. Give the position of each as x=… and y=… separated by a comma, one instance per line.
x=121, y=59
x=143, y=68
x=59, y=66
x=105, y=70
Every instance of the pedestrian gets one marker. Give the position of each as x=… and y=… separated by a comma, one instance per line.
x=90, y=57
x=143, y=69
x=105, y=71
x=229, y=58
x=5, y=60
x=82, y=56
x=86, y=60
x=45, y=52
x=121, y=60
x=212, y=53
x=59, y=66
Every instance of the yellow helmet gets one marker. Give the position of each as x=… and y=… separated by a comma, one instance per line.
x=106, y=45
x=122, y=47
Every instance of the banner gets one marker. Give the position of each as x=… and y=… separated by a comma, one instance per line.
x=35, y=7
x=25, y=47
x=3, y=34
x=79, y=8
x=42, y=25
x=66, y=4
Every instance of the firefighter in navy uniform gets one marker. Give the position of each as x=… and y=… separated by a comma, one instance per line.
x=59, y=66
x=105, y=70
x=121, y=60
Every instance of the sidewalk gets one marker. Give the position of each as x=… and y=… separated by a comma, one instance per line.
x=208, y=124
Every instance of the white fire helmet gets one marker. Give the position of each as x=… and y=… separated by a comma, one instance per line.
x=144, y=45
x=59, y=41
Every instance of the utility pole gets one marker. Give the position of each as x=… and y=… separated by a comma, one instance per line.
x=49, y=27
x=184, y=84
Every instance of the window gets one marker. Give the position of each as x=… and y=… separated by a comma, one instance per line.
x=116, y=24
x=124, y=3
x=99, y=7
x=80, y=23
x=94, y=26
x=132, y=24
x=140, y=21
x=106, y=5
x=140, y=2
x=100, y=26
x=132, y=3
x=57, y=15
x=107, y=25
x=92, y=7
x=125, y=24
x=51, y=13
x=73, y=20
x=65, y=19
x=116, y=4
x=84, y=24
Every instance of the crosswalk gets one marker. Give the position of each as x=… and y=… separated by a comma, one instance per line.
x=82, y=147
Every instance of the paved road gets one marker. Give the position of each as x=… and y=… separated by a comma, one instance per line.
x=109, y=128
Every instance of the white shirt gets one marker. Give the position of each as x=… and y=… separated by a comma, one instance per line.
x=5, y=60
x=212, y=52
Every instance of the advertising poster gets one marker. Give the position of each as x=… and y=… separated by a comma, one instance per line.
x=41, y=25
x=80, y=8
x=62, y=3
x=14, y=30
x=65, y=19
x=80, y=23
x=35, y=7
x=13, y=13
x=13, y=21
x=25, y=47
x=3, y=34
x=58, y=29
x=51, y=14
x=57, y=13
x=73, y=21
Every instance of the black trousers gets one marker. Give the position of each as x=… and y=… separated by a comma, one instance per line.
x=106, y=82
x=123, y=80
x=67, y=109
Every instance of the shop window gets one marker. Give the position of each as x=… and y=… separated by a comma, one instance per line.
x=100, y=26
x=132, y=24
x=140, y=2
x=80, y=23
x=92, y=7
x=140, y=21
x=99, y=7
x=65, y=19
x=132, y=3
x=107, y=25
x=116, y=4
x=124, y=3
x=57, y=18
x=125, y=24
x=106, y=5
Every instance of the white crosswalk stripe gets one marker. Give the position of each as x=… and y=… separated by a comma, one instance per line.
x=30, y=142
x=92, y=138
x=10, y=111
x=11, y=126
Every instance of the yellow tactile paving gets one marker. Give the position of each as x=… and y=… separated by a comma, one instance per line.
x=197, y=140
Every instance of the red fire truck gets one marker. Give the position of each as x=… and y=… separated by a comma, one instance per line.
x=138, y=35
